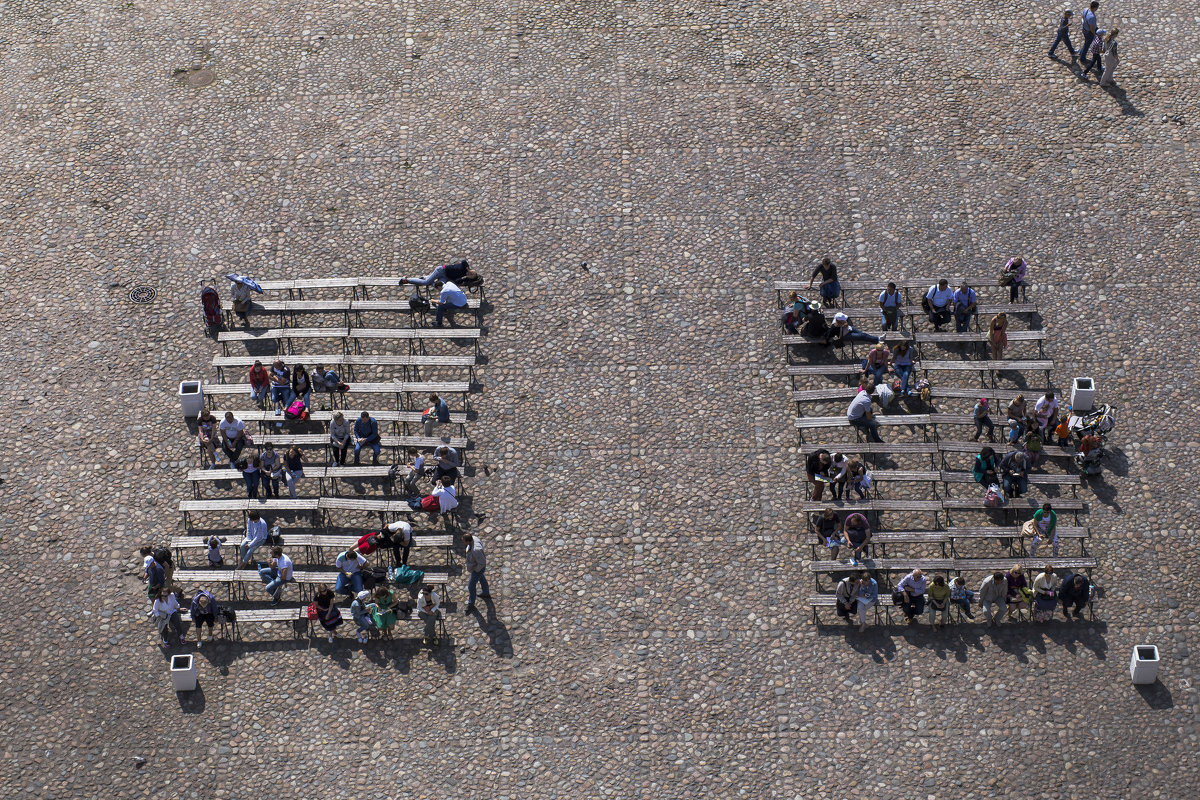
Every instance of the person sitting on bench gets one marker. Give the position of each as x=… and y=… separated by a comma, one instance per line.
x=986, y=465
x=817, y=468
x=1046, y=412
x=349, y=579
x=281, y=385
x=448, y=462
x=829, y=532
x=889, y=308
x=868, y=596
x=860, y=416
x=857, y=533
x=1076, y=591
x=450, y=299
x=276, y=573
x=1014, y=472
x=938, y=303
x=366, y=434
x=842, y=331
x=233, y=434
x=441, y=501
x=965, y=304
x=256, y=536
x=846, y=596
x=876, y=362
x=912, y=594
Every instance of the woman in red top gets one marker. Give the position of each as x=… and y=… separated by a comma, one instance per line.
x=260, y=383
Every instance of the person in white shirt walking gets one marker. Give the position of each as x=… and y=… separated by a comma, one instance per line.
x=476, y=563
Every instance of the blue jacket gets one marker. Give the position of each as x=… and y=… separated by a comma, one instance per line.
x=155, y=575
x=441, y=411
x=367, y=431
x=868, y=590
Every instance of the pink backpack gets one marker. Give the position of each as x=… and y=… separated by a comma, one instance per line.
x=296, y=410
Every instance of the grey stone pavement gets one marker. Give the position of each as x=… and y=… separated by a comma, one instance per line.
x=648, y=562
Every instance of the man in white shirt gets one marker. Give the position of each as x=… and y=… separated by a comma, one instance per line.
x=277, y=572
x=860, y=416
x=349, y=579
x=1046, y=411
x=450, y=299
x=447, y=499
x=256, y=537
x=938, y=303
x=233, y=436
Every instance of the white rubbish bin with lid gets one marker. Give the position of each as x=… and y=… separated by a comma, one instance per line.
x=1083, y=395
x=191, y=397
x=183, y=672
x=1143, y=666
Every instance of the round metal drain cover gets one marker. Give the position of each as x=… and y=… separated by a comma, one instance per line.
x=201, y=77
x=142, y=294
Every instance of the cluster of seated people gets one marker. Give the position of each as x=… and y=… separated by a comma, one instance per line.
x=1000, y=596
x=374, y=609
x=940, y=304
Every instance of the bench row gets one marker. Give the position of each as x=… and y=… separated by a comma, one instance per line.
x=266, y=420
x=236, y=581
x=987, y=368
x=945, y=504
x=298, y=614
x=300, y=505
x=1009, y=536
x=285, y=336
x=317, y=547
x=941, y=447
x=288, y=310
x=243, y=363
x=400, y=389
x=953, y=565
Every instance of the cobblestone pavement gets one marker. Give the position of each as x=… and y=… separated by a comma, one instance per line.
x=646, y=555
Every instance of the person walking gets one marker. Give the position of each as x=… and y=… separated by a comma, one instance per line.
x=1063, y=37
x=1097, y=53
x=476, y=563
x=429, y=607
x=1110, y=58
x=1088, y=26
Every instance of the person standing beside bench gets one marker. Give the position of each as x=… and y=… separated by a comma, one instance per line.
x=166, y=615
x=450, y=299
x=1076, y=591
x=1014, y=271
x=868, y=596
x=256, y=537
x=830, y=288
x=429, y=606
x=816, y=466
x=203, y=611
x=860, y=416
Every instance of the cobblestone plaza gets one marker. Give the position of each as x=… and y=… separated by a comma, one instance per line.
x=630, y=178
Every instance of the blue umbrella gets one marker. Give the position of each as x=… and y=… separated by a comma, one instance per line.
x=245, y=280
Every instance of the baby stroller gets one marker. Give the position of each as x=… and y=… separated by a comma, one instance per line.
x=1092, y=430
x=211, y=302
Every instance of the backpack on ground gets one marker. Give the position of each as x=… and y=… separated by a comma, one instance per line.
x=993, y=497
x=418, y=303
x=373, y=576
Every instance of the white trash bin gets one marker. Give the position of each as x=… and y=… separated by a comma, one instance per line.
x=1083, y=395
x=1143, y=665
x=183, y=673
x=191, y=397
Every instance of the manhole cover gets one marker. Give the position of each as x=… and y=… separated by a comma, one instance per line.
x=142, y=294
x=201, y=77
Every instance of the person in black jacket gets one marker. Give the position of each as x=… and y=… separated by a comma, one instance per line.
x=1075, y=591
x=817, y=464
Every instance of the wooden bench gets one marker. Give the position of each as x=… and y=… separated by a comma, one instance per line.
x=876, y=507
x=1035, y=479
x=285, y=336
x=948, y=536
x=295, y=288
x=314, y=545
x=397, y=388
x=236, y=580
x=953, y=565
x=276, y=505
x=398, y=419
x=972, y=448
x=382, y=472
x=987, y=369
x=288, y=310
x=842, y=421
x=415, y=362
x=995, y=397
